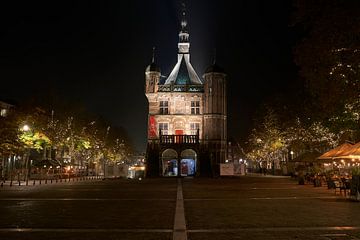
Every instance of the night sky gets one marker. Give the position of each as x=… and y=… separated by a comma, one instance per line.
x=95, y=53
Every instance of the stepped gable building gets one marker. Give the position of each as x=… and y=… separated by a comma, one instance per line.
x=187, y=119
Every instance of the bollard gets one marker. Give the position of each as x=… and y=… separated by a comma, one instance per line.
x=34, y=182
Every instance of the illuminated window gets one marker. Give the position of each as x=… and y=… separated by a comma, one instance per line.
x=194, y=128
x=164, y=128
x=195, y=107
x=3, y=112
x=164, y=107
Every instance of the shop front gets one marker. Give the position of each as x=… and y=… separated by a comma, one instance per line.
x=175, y=164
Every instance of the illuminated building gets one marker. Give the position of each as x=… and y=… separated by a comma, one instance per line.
x=5, y=108
x=187, y=117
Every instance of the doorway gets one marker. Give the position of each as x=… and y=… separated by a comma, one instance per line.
x=188, y=163
x=170, y=163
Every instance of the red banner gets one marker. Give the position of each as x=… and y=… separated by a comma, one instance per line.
x=152, y=133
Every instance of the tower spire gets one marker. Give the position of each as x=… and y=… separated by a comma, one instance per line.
x=184, y=44
x=183, y=17
x=153, y=55
x=214, y=60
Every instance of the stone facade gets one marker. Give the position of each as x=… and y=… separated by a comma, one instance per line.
x=187, y=117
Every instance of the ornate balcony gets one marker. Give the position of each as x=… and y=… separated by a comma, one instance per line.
x=179, y=139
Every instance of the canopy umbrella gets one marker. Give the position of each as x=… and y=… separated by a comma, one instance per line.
x=351, y=153
x=336, y=152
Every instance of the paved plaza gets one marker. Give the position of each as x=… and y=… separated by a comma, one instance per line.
x=251, y=207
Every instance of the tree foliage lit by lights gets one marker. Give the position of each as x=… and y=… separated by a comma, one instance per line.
x=9, y=132
x=329, y=61
x=267, y=140
x=272, y=140
x=310, y=136
x=72, y=136
x=34, y=140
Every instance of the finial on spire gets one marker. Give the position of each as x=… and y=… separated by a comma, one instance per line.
x=183, y=8
x=214, y=60
x=153, y=55
x=183, y=13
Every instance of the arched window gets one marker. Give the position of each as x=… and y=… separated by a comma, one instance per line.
x=188, y=162
x=170, y=162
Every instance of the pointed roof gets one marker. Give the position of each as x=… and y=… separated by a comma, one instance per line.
x=214, y=68
x=336, y=152
x=183, y=72
x=153, y=67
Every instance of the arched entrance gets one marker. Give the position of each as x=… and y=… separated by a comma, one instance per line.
x=188, y=163
x=169, y=160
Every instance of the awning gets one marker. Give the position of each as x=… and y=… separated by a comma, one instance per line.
x=336, y=152
x=351, y=153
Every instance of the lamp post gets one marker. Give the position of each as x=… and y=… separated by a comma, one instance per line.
x=104, y=150
x=26, y=128
x=292, y=154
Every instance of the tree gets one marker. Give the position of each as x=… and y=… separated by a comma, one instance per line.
x=267, y=142
x=9, y=132
x=329, y=60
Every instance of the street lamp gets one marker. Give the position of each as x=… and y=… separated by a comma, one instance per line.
x=26, y=128
x=292, y=154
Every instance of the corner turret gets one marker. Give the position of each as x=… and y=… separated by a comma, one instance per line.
x=152, y=76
